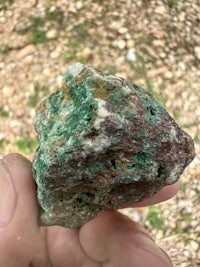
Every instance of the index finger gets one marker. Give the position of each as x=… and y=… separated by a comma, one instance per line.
x=164, y=194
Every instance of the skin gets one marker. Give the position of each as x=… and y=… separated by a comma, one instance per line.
x=110, y=240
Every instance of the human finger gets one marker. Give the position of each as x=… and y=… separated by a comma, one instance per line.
x=20, y=234
x=65, y=249
x=164, y=194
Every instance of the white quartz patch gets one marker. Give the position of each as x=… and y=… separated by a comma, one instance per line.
x=97, y=144
x=102, y=112
x=75, y=69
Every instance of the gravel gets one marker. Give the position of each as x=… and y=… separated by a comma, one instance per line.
x=154, y=43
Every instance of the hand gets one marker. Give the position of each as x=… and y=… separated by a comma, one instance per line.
x=110, y=240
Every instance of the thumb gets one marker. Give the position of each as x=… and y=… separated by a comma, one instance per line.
x=19, y=231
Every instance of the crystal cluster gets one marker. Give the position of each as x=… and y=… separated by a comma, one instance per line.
x=103, y=143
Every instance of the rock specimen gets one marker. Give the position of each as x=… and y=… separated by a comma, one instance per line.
x=103, y=144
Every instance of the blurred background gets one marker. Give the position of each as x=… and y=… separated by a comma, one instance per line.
x=153, y=43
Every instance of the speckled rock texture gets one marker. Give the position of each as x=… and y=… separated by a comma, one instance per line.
x=103, y=143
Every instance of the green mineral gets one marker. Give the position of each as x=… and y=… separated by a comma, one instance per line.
x=103, y=144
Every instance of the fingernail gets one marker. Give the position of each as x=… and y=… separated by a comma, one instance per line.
x=150, y=252
x=7, y=194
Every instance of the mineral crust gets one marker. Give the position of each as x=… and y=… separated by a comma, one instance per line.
x=103, y=143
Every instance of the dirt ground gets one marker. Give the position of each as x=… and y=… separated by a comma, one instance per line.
x=153, y=43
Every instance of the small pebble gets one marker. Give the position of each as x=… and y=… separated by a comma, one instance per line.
x=131, y=56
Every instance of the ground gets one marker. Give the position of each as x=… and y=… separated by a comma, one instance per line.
x=153, y=43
